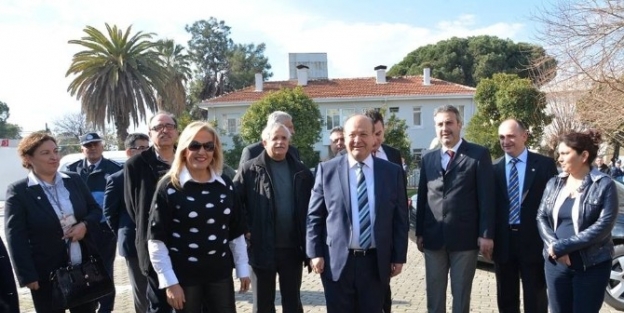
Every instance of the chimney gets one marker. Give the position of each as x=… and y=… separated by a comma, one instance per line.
x=302, y=75
x=381, y=74
x=259, y=81
x=426, y=76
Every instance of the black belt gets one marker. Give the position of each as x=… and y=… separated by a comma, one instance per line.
x=362, y=252
x=514, y=227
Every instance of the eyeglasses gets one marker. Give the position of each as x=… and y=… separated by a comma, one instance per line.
x=140, y=148
x=160, y=127
x=195, y=146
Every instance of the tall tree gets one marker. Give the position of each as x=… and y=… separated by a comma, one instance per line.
x=8, y=130
x=306, y=117
x=467, y=61
x=116, y=77
x=506, y=96
x=172, y=96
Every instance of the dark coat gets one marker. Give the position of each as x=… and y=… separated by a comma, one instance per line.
x=255, y=190
x=255, y=149
x=96, y=180
x=33, y=230
x=117, y=215
x=539, y=170
x=8, y=292
x=141, y=175
x=456, y=206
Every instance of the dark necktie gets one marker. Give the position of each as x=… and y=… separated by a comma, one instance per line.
x=514, y=194
x=451, y=154
x=363, y=209
x=91, y=168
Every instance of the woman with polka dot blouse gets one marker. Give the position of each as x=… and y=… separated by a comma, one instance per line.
x=196, y=227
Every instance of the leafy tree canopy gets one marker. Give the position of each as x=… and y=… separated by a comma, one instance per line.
x=502, y=97
x=8, y=130
x=306, y=118
x=467, y=61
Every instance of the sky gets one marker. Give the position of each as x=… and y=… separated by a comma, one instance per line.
x=356, y=35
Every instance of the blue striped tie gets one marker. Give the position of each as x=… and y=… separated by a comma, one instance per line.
x=363, y=209
x=514, y=194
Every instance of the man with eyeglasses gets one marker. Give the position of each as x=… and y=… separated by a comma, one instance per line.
x=94, y=170
x=120, y=222
x=274, y=190
x=141, y=175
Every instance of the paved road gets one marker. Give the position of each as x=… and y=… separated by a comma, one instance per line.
x=408, y=289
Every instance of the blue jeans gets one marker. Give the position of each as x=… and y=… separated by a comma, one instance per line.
x=576, y=291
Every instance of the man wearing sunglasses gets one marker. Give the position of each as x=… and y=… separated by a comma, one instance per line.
x=141, y=175
x=255, y=149
x=120, y=222
x=94, y=170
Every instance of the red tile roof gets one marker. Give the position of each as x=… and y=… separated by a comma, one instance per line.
x=351, y=88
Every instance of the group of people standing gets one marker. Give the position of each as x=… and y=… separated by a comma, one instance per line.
x=183, y=220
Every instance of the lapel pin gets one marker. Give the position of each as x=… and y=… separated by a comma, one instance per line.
x=38, y=198
x=532, y=170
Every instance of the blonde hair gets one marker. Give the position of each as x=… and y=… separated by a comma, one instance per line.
x=188, y=134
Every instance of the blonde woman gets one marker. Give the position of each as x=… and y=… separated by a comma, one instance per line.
x=195, y=227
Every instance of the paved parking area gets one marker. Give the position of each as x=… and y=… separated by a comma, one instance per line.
x=408, y=289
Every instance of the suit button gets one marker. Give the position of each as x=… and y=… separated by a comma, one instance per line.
x=444, y=215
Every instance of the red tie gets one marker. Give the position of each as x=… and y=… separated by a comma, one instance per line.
x=451, y=154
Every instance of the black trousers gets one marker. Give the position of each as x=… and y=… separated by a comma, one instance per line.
x=508, y=275
x=107, y=247
x=213, y=297
x=44, y=302
x=156, y=298
x=290, y=269
x=359, y=288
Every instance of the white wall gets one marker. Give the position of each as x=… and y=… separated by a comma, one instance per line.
x=11, y=169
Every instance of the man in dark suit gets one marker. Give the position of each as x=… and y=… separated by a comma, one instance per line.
x=455, y=212
x=255, y=149
x=521, y=178
x=8, y=292
x=385, y=152
x=120, y=222
x=357, y=224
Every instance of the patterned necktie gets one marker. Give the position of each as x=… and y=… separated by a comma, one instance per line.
x=363, y=209
x=451, y=154
x=514, y=194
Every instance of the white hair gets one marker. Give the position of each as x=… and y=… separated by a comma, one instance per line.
x=271, y=128
x=278, y=117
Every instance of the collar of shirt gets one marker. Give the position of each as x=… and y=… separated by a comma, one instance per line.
x=96, y=164
x=522, y=157
x=381, y=153
x=34, y=180
x=185, y=176
x=454, y=149
x=368, y=161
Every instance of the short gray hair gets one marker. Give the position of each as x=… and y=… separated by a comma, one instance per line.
x=337, y=129
x=278, y=117
x=269, y=129
x=447, y=108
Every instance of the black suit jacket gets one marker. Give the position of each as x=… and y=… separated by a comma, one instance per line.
x=539, y=169
x=117, y=215
x=394, y=155
x=33, y=230
x=456, y=206
x=253, y=150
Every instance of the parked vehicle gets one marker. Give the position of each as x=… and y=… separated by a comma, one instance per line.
x=117, y=156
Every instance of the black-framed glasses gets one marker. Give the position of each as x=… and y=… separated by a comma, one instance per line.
x=140, y=148
x=195, y=146
x=160, y=127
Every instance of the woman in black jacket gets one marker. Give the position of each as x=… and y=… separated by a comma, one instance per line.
x=41, y=212
x=578, y=210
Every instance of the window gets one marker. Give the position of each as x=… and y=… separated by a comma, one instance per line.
x=461, y=109
x=417, y=116
x=417, y=153
x=394, y=110
x=337, y=117
x=231, y=123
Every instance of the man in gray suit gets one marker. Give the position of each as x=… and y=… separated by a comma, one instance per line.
x=455, y=212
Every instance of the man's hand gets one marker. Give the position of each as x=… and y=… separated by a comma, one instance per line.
x=245, y=282
x=395, y=269
x=318, y=265
x=175, y=296
x=33, y=286
x=486, y=247
x=420, y=243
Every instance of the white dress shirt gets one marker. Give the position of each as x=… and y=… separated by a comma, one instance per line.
x=447, y=158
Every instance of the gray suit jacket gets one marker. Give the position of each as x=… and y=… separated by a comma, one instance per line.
x=456, y=206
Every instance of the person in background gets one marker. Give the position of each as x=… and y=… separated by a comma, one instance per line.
x=575, y=219
x=255, y=149
x=94, y=170
x=336, y=141
x=42, y=213
x=600, y=165
x=8, y=292
x=120, y=222
x=141, y=175
x=194, y=222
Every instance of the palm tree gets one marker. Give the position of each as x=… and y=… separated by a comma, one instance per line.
x=116, y=77
x=172, y=96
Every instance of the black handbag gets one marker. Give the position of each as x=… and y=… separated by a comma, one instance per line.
x=74, y=285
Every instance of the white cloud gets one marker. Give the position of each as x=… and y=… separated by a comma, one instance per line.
x=36, y=55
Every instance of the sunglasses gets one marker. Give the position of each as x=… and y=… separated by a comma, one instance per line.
x=196, y=146
x=160, y=127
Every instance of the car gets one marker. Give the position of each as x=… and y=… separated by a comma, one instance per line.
x=117, y=156
x=614, y=293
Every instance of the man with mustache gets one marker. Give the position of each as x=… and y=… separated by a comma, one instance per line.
x=255, y=149
x=455, y=212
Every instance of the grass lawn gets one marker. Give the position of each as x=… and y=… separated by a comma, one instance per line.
x=411, y=192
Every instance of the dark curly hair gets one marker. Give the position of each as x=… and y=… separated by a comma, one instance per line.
x=583, y=141
x=30, y=143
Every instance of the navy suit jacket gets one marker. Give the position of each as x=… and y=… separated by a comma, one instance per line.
x=33, y=230
x=329, y=216
x=117, y=215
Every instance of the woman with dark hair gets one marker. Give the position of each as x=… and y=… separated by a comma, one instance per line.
x=42, y=213
x=575, y=218
x=196, y=227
